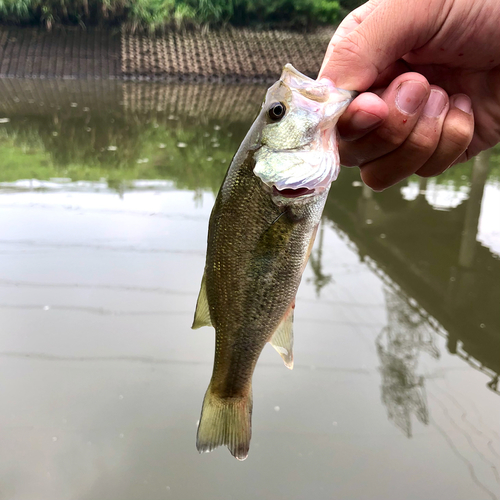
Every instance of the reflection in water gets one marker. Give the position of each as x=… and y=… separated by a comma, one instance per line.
x=399, y=345
x=124, y=136
x=104, y=208
x=434, y=257
x=468, y=243
x=320, y=279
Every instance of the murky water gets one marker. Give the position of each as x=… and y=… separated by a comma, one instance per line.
x=105, y=194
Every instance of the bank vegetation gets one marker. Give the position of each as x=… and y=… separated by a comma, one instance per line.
x=154, y=15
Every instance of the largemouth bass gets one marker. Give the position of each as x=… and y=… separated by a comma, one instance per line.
x=260, y=235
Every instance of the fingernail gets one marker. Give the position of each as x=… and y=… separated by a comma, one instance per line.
x=462, y=102
x=363, y=120
x=410, y=96
x=435, y=104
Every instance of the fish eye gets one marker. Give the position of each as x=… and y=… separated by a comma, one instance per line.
x=276, y=111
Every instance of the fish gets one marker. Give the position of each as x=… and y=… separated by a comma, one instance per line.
x=261, y=231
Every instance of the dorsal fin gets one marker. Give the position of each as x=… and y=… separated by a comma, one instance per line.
x=202, y=312
x=282, y=339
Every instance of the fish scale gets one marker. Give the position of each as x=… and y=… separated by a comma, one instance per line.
x=260, y=236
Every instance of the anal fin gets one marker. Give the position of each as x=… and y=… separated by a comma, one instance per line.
x=282, y=339
x=202, y=312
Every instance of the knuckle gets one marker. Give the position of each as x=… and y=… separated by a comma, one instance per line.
x=459, y=133
x=391, y=137
x=422, y=143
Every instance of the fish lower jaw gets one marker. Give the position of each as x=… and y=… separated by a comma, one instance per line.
x=293, y=193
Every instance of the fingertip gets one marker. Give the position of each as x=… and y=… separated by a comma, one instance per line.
x=364, y=114
x=428, y=172
x=364, y=121
x=461, y=159
x=348, y=66
x=372, y=181
x=372, y=103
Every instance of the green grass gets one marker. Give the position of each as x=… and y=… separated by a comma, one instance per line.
x=155, y=14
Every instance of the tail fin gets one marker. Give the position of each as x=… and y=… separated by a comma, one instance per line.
x=225, y=421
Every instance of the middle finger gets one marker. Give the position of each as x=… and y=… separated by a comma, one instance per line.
x=405, y=98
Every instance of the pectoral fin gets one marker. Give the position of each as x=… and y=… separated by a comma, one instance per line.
x=282, y=339
x=202, y=313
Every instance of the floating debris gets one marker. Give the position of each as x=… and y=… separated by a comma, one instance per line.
x=142, y=160
x=74, y=104
x=112, y=148
x=162, y=146
x=181, y=145
x=4, y=120
x=357, y=184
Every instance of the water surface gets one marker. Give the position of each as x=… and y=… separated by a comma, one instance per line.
x=105, y=194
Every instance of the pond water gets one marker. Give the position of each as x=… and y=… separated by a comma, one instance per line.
x=105, y=193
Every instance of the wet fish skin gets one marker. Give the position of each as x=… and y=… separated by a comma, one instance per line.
x=259, y=241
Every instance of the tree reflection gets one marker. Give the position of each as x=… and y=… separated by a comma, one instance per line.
x=184, y=133
x=320, y=279
x=399, y=345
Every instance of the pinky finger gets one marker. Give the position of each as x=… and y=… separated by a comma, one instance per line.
x=458, y=129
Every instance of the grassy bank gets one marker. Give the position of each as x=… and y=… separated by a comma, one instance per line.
x=155, y=14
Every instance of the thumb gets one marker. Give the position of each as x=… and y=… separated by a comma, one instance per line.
x=375, y=36
x=349, y=23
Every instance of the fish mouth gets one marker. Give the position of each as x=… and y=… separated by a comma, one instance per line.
x=292, y=193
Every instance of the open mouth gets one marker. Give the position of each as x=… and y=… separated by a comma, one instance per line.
x=292, y=193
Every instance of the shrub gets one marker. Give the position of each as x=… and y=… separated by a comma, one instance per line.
x=153, y=14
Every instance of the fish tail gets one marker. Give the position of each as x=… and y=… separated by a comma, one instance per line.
x=225, y=421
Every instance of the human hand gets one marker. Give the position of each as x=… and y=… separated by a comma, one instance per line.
x=429, y=73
